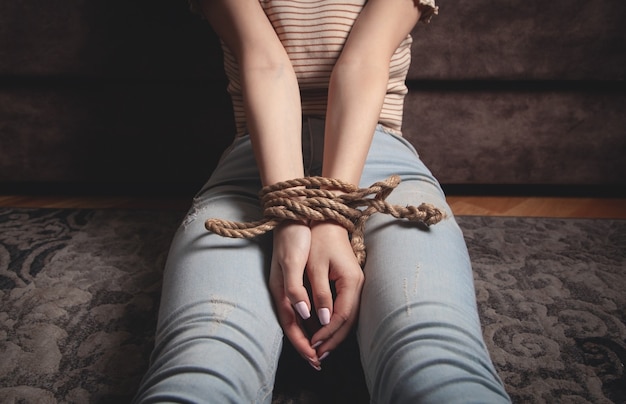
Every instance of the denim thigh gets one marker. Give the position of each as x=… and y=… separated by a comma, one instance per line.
x=218, y=336
x=419, y=331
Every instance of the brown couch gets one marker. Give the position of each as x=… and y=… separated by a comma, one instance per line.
x=129, y=96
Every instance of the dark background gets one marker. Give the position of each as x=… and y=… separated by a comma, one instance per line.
x=129, y=97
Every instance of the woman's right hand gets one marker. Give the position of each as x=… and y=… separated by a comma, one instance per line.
x=292, y=244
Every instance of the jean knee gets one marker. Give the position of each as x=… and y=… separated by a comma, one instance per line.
x=440, y=358
x=212, y=349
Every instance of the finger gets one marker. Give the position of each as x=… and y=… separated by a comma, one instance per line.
x=290, y=323
x=320, y=291
x=330, y=337
x=295, y=334
x=291, y=254
x=287, y=316
x=344, y=314
x=296, y=292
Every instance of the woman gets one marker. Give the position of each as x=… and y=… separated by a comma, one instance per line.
x=317, y=89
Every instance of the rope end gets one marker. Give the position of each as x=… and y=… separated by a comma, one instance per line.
x=434, y=215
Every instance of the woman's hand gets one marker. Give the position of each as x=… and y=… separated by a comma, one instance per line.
x=331, y=259
x=325, y=251
x=292, y=243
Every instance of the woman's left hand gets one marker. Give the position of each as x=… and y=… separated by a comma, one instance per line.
x=332, y=259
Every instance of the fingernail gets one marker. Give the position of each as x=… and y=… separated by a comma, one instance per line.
x=324, y=356
x=318, y=343
x=324, y=315
x=303, y=310
x=314, y=364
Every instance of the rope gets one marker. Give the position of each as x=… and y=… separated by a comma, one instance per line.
x=309, y=198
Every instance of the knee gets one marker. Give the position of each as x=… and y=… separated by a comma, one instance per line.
x=431, y=361
x=212, y=351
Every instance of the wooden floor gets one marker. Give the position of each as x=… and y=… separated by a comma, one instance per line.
x=614, y=208
x=461, y=205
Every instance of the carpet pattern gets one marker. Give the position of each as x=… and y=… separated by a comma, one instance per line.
x=79, y=292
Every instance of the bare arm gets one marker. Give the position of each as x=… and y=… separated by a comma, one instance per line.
x=357, y=89
x=359, y=82
x=274, y=116
x=266, y=73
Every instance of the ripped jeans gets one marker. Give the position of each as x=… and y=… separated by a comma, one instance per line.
x=218, y=338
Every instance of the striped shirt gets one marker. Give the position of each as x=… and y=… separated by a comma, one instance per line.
x=313, y=33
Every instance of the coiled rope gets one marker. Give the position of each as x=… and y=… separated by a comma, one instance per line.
x=312, y=198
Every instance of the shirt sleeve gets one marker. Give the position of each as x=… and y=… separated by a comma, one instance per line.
x=428, y=10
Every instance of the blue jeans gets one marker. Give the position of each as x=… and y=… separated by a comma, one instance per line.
x=218, y=338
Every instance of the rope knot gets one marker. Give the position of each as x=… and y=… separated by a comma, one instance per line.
x=315, y=198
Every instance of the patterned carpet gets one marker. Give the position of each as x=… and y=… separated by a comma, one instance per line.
x=79, y=292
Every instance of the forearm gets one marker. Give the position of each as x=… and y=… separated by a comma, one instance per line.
x=358, y=84
x=355, y=98
x=269, y=85
x=272, y=102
